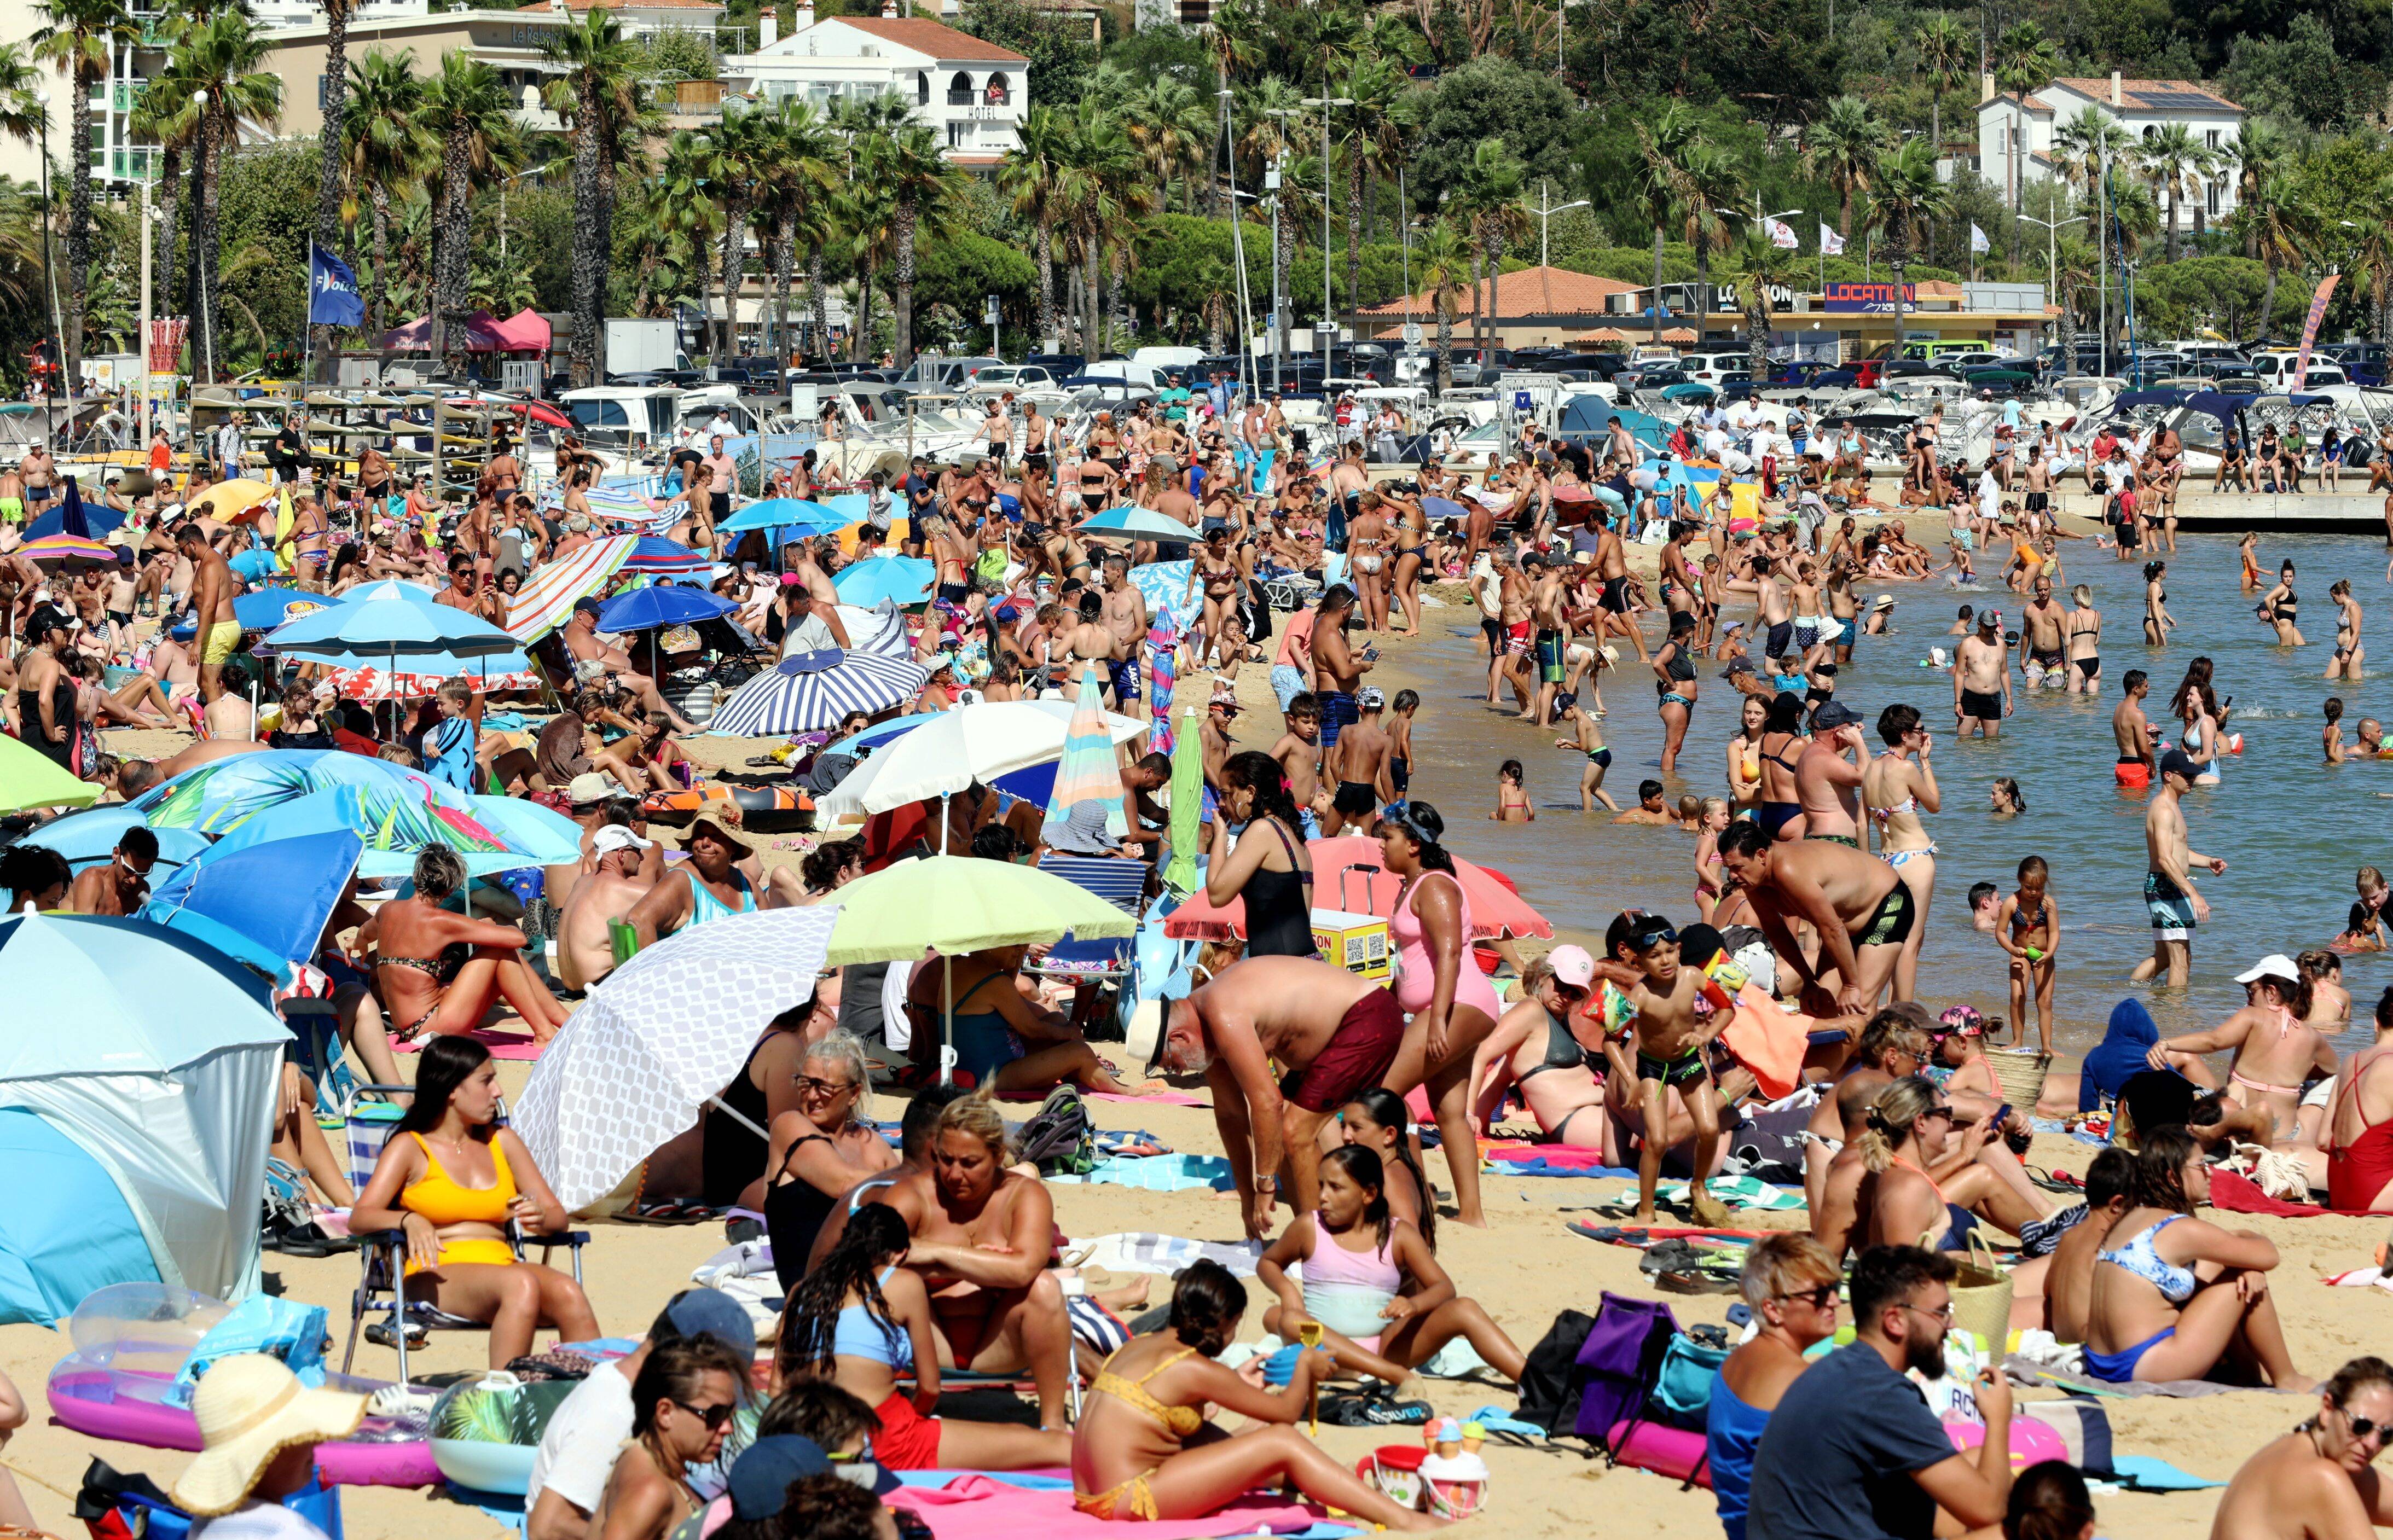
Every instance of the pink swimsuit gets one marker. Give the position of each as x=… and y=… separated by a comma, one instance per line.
x=1417, y=973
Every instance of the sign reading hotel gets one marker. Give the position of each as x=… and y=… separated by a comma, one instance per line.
x=1871, y=299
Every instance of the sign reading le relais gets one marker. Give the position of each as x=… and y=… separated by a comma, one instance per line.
x=1874, y=299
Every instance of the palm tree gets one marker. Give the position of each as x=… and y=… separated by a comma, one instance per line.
x=1376, y=86
x=735, y=149
x=1756, y=263
x=1445, y=254
x=864, y=215
x=80, y=36
x=470, y=111
x=2370, y=207
x=1106, y=193
x=2278, y=228
x=2175, y=162
x=1908, y=195
x=924, y=186
x=1488, y=198
x=21, y=108
x=1946, y=58
x=599, y=96
x=2024, y=60
x=1169, y=123
x=165, y=115
x=220, y=56
x=1032, y=177
x=794, y=172
x=1660, y=146
x=1841, y=149
x=388, y=152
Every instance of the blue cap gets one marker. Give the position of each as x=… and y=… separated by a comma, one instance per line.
x=718, y=1315
x=761, y=1477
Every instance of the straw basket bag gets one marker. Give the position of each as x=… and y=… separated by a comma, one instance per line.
x=2021, y=1076
x=1982, y=1295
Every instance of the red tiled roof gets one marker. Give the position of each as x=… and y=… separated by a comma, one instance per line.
x=1532, y=292
x=926, y=37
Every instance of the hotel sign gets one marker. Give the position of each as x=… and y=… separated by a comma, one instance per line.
x=1871, y=299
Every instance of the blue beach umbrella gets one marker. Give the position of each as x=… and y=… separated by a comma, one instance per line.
x=85, y=837
x=784, y=513
x=264, y=904
x=647, y=608
x=815, y=689
x=849, y=506
x=1137, y=524
x=264, y=608
x=394, y=624
x=903, y=580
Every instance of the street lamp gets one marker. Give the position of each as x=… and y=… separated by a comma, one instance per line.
x=2051, y=243
x=1237, y=239
x=1546, y=211
x=1328, y=313
x=1270, y=184
x=198, y=258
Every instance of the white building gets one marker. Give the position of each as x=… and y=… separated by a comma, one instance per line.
x=972, y=94
x=2015, y=142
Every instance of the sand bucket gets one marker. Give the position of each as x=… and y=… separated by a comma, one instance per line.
x=1393, y=1470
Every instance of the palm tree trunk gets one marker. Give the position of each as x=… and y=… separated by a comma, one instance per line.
x=821, y=298
x=1478, y=292
x=1355, y=230
x=1046, y=254
x=78, y=228
x=2169, y=230
x=589, y=276
x=860, y=325
x=1703, y=286
x=601, y=239
x=452, y=265
x=380, y=292
x=1653, y=310
x=1936, y=148
x=785, y=247
x=1757, y=334
x=1444, y=343
x=332, y=145
x=735, y=274
x=1091, y=339
x=170, y=171
x=219, y=129
x=901, y=283
x=2268, y=300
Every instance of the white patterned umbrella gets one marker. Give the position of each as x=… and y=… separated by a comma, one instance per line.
x=657, y=1040
x=817, y=689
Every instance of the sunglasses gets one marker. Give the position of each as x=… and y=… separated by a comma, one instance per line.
x=2362, y=1426
x=809, y=1086
x=715, y=1417
x=1822, y=1298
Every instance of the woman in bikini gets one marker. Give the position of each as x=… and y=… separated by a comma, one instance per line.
x=1137, y=1451
x=1780, y=812
x=1412, y=542
x=1534, y=1048
x=2080, y=638
x=2348, y=649
x=1218, y=629
x=1674, y=673
x=2157, y=620
x=2181, y=1296
x=2248, y=549
x=1922, y=1183
x=2274, y=1046
x=2282, y=608
x=1367, y=550
x=1896, y=791
x=1744, y=758
x=439, y=972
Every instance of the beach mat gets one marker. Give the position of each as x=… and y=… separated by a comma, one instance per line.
x=502, y=1044
x=1163, y=1173
x=2151, y=1473
x=1147, y=1251
x=975, y=1508
x=2236, y=1193
x=2027, y=1370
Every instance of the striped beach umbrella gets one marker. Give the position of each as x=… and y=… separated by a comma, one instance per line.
x=543, y=603
x=660, y=557
x=68, y=550
x=1089, y=772
x=815, y=689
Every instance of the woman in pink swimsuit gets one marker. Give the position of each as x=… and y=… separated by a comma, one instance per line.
x=1452, y=1005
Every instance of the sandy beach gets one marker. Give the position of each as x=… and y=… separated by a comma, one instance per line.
x=1527, y=1268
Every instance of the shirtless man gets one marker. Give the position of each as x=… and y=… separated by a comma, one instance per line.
x=2318, y=1481
x=1549, y=622
x=1337, y=670
x=2276, y=1050
x=1981, y=679
x=2043, y=631
x=41, y=476
x=2169, y=895
x=121, y=885
x=1861, y=911
x=2134, y=734
x=1334, y=1033
x=1774, y=620
x=1614, y=617
x=983, y=1235
x=1126, y=618
x=212, y=590
x=580, y=633
x=1828, y=775
x=1364, y=748
x=585, y=952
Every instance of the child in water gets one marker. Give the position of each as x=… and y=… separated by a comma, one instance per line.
x=2363, y=929
x=1588, y=740
x=2028, y=927
x=1713, y=822
x=1511, y=797
x=1399, y=745
x=1649, y=808
x=2331, y=735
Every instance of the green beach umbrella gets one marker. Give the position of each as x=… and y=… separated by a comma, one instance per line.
x=1187, y=803
x=31, y=778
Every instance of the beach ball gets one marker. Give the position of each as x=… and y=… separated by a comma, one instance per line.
x=2032, y=1441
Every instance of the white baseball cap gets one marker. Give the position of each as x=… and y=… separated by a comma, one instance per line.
x=2276, y=965
x=612, y=838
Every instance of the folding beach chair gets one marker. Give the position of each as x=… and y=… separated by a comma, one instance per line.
x=1123, y=884
x=381, y=1254
x=1293, y=590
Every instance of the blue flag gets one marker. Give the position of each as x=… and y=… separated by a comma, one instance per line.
x=333, y=297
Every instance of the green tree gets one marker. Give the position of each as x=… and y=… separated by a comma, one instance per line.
x=1841, y=149
x=1446, y=257
x=1662, y=145
x=388, y=152
x=469, y=111
x=1907, y=196
x=2277, y=225
x=221, y=57
x=1487, y=200
x=597, y=94
x=923, y=185
x=1491, y=97
x=736, y=155
x=1033, y=176
x=80, y=36
x=795, y=173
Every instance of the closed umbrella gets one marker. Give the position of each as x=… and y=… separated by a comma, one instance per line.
x=948, y=751
x=955, y=904
x=544, y=604
x=1087, y=771
x=815, y=689
x=657, y=1042
x=31, y=778
x=902, y=580
x=1347, y=874
x=1188, y=803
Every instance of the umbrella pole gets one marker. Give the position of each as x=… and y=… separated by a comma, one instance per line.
x=948, y=1021
x=737, y=1116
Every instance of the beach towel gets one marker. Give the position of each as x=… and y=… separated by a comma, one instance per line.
x=1734, y=1192
x=1149, y=1252
x=2026, y=1371
x=2236, y=1193
x=1165, y=1174
x=502, y=1044
x=976, y=1508
x=1544, y=1166
x=2151, y=1473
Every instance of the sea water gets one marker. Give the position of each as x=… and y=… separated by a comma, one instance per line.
x=2291, y=827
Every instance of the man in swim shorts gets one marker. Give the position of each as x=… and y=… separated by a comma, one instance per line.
x=1334, y=1033
x=1337, y=670
x=219, y=633
x=1981, y=679
x=2134, y=732
x=2169, y=897
x=1862, y=910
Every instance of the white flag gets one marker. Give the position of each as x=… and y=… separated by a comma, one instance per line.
x=1978, y=241
x=1831, y=243
x=1782, y=234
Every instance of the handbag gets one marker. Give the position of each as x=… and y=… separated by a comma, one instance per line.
x=1981, y=1296
x=1683, y=1390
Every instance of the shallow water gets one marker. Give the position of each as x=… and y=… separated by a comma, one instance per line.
x=2291, y=827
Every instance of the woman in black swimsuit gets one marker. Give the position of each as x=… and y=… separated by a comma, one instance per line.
x=1781, y=816
x=819, y=1149
x=1269, y=867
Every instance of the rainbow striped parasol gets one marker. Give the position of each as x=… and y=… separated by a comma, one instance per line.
x=1089, y=771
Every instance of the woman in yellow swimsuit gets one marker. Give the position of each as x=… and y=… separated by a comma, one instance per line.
x=455, y=1181
x=1132, y=1454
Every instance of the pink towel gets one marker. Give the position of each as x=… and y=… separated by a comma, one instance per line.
x=1552, y=1154
x=974, y=1507
x=502, y=1044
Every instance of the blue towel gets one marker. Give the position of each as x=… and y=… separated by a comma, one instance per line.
x=2149, y=1473
x=1167, y=1173
x=1539, y=1167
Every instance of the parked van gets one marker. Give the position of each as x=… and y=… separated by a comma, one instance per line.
x=2275, y=371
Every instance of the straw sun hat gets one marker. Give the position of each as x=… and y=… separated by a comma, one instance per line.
x=251, y=1408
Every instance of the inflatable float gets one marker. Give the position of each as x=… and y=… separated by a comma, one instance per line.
x=763, y=809
x=1677, y=1453
x=132, y=1339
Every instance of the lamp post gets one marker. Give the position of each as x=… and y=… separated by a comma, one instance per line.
x=1546, y=211
x=2051, y=243
x=198, y=258
x=1272, y=185
x=1329, y=311
x=141, y=342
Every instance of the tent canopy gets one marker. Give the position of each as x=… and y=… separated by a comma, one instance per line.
x=65, y=1229
x=524, y=332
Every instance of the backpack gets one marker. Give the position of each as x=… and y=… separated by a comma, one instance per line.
x=1060, y=1138
x=1620, y=1363
x=1550, y=1379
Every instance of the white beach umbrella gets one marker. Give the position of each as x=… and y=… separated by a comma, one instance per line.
x=955, y=748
